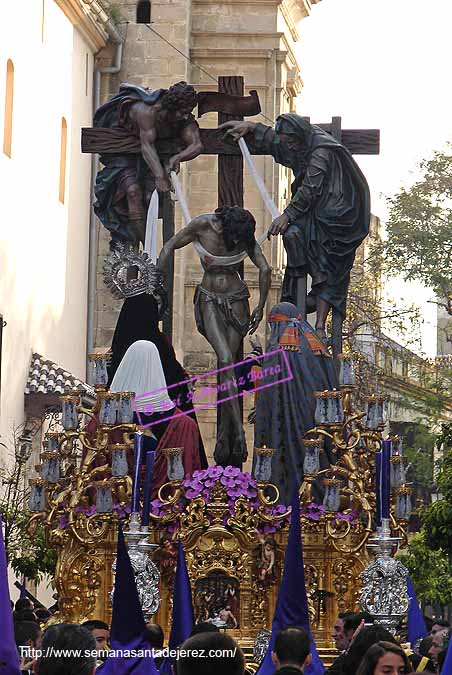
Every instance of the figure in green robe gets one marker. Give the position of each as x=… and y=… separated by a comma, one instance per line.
x=329, y=213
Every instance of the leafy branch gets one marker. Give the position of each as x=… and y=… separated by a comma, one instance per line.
x=29, y=557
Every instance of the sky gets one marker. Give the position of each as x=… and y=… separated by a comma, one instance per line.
x=383, y=64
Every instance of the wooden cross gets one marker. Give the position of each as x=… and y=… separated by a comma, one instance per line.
x=230, y=176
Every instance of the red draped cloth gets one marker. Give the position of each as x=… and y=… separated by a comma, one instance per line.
x=181, y=432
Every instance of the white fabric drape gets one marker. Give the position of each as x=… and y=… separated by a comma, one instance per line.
x=141, y=371
x=150, y=242
x=268, y=201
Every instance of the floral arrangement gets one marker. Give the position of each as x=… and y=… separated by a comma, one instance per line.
x=238, y=484
x=315, y=511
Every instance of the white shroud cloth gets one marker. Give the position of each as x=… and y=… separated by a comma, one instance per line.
x=141, y=371
x=268, y=201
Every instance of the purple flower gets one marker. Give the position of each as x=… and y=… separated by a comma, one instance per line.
x=231, y=471
x=192, y=494
x=249, y=492
x=214, y=471
x=349, y=517
x=156, y=507
x=210, y=482
x=195, y=485
x=227, y=482
x=278, y=509
x=63, y=522
x=198, y=473
x=235, y=492
x=121, y=511
x=314, y=511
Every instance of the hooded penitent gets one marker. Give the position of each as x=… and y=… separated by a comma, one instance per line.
x=292, y=604
x=127, y=625
x=9, y=659
x=141, y=371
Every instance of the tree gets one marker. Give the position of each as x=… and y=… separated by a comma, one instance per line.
x=429, y=554
x=368, y=308
x=418, y=446
x=29, y=557
x=419, y=229
x=429, y=571
x=437, y=518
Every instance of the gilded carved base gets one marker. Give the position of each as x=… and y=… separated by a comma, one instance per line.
x=217, y=550
x=83, y=575
x=86, y=552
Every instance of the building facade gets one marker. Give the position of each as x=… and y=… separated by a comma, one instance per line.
x=46, y=84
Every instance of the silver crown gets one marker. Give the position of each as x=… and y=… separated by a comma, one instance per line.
x=149, y=280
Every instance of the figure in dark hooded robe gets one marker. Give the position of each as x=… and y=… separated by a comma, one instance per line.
x=329, y=213
x=285, y=411
x=139, y=320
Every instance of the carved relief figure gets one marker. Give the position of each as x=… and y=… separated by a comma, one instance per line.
x=217, y=601
x=266, y=563
x=167, y=557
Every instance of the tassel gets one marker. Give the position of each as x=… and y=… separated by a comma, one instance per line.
x=290, y=339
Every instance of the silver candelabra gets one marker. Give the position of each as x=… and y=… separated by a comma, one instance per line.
x=385, y=593
x=147, y=576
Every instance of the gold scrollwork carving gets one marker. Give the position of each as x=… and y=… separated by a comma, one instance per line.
x=343, y=573
x=312, y=584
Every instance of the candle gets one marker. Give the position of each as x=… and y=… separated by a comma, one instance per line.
x=263, y=465
x=347, y=376
x=378, y=486
x=332, y=498
x=138, y=455
x=150, y=456
x=386, y=478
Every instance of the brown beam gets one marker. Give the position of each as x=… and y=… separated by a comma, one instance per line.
x=108, y=141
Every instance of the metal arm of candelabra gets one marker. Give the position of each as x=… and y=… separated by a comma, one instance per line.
x=358, y=437
x=355, y=438
x=82, y=489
